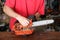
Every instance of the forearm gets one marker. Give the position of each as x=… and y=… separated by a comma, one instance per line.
x=11, y=12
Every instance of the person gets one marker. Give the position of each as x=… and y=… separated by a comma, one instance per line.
x=21, y=9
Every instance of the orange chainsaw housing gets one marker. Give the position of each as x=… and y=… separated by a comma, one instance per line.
x=20, y=30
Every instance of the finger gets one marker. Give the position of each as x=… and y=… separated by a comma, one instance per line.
x=25, y=23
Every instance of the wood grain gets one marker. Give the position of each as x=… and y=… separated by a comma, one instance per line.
x=35, y=36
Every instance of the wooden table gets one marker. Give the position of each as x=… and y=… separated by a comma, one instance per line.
x=35, y=36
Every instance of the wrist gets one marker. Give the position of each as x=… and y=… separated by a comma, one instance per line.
x=18, y=17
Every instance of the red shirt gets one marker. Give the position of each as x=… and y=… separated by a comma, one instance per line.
x=25, y=7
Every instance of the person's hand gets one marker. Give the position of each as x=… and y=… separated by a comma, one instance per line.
x=37, y=16
x=23, y=21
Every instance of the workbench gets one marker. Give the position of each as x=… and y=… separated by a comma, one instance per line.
x=35, y=36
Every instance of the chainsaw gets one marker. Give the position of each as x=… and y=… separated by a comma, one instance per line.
x=21, y=30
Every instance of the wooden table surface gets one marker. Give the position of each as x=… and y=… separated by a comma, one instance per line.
x=35, y=36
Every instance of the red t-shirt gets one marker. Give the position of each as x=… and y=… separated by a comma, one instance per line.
x=25, y=7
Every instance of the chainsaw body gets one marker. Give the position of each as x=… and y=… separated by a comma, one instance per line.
x=21, y=30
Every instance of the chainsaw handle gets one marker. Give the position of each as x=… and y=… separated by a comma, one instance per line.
x=29, y=25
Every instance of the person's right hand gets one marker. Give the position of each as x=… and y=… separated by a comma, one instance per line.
x=23, y=21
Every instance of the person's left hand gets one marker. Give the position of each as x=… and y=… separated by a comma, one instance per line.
x=37, y=15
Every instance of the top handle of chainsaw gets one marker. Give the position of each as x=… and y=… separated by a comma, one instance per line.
x=29, y=25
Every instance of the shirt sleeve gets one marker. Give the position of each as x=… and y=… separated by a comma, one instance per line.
x=41, y=7
x=10, y=3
